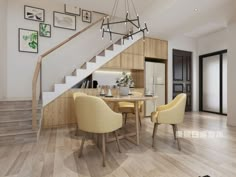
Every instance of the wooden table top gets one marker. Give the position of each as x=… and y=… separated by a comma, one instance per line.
x=130, y=98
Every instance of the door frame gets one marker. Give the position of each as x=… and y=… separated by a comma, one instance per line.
x=201, y=57
x=191, y=78
x=164, y=61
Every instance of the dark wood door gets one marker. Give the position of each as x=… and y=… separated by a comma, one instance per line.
x=182, y=75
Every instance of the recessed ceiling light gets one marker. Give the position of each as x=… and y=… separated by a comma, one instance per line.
x=195, y=9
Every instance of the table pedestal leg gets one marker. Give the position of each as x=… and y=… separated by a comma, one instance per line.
x=137, y=122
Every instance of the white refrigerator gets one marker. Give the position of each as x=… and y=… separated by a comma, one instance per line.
x=155, y=83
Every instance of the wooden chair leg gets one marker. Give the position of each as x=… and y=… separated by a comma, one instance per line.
x=123, y=116
x=103, y=150
x=126, y=115
x=82, y=146
x=117, y=141
x=176, y=130
x=139, y=117
x=154, y=133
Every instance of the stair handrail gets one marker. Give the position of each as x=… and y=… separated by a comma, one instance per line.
x=38, y=69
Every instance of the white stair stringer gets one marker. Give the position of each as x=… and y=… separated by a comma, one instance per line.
x=81, y=74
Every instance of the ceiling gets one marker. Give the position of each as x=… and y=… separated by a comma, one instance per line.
x=168, y=18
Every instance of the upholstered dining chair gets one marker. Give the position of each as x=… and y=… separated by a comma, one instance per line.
x=75, y=95
x=95, y=116
x=172, y=113
x=128, y=108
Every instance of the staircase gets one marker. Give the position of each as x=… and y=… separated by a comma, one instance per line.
x=16, y=122
x=88, y=68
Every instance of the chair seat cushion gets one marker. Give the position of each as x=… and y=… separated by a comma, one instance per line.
x=126, y=107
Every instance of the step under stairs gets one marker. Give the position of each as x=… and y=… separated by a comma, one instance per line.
x=16, y=122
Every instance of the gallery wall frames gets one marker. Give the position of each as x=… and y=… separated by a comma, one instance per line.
x=72, y=9
x=62, y=20
x=28, y=40
x=86, y=16
x=44, y=30
x=34, y=13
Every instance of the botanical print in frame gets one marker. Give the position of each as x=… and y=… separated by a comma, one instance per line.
x=66, y=21
x=34, y=13
x=72, y=9
x=28, y=40
x=44, y=30
x=86, y=16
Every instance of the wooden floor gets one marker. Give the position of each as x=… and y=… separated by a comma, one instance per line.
x=55, y=154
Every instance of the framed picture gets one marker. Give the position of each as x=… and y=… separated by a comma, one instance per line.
x=86, y=16
x=34, y=13
x=44, y=30
x=28, y=40
x=71, y=9
x=66, y=21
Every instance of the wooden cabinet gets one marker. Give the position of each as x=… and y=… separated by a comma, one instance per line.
x=155, y=48
x=130, y=61
x=138, y=77
x=133, y=57
x=164, y=49
x=138, y=62
x=114, y=63
x=126, y=61
x=136, y=48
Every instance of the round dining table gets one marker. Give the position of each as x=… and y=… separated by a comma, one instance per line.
x=134, y=99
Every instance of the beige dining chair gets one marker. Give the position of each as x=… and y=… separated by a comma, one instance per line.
x=172, y=113
x=75, y=95
x=128, y=108
x=95, y=116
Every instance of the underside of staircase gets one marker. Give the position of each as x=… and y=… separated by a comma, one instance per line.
x=16, y=116
x=88, y=68
x=16, y=122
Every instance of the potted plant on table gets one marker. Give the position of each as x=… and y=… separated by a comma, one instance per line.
x=125, y=82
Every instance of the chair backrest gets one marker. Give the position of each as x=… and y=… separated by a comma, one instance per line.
x=175, y=112
x=95, y=116
x=178, y=104
x=77, y=94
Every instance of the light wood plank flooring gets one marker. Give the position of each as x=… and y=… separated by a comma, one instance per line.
x=56, y=153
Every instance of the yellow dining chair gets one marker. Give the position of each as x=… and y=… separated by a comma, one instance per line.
x=128, y=108
x=95, y=116
x=172, y=113
x=75, y=95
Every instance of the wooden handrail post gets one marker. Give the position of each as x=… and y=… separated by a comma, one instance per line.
x=34, y=94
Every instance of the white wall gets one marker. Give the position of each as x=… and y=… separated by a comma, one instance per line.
x=3, y=42
x=231, y=38
x=186, y=44
x=213, y=42
x=20, y=66
x=107, y=77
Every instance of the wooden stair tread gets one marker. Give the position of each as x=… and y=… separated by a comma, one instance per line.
x=17, y=116
x=21, y=120
x=19, y=132
x=17, y=109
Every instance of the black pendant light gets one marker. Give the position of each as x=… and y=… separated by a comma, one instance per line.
x=131, y=23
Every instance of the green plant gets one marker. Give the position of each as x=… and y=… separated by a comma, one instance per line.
x=33, y=40
x=43, y=30
x=125, y=80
